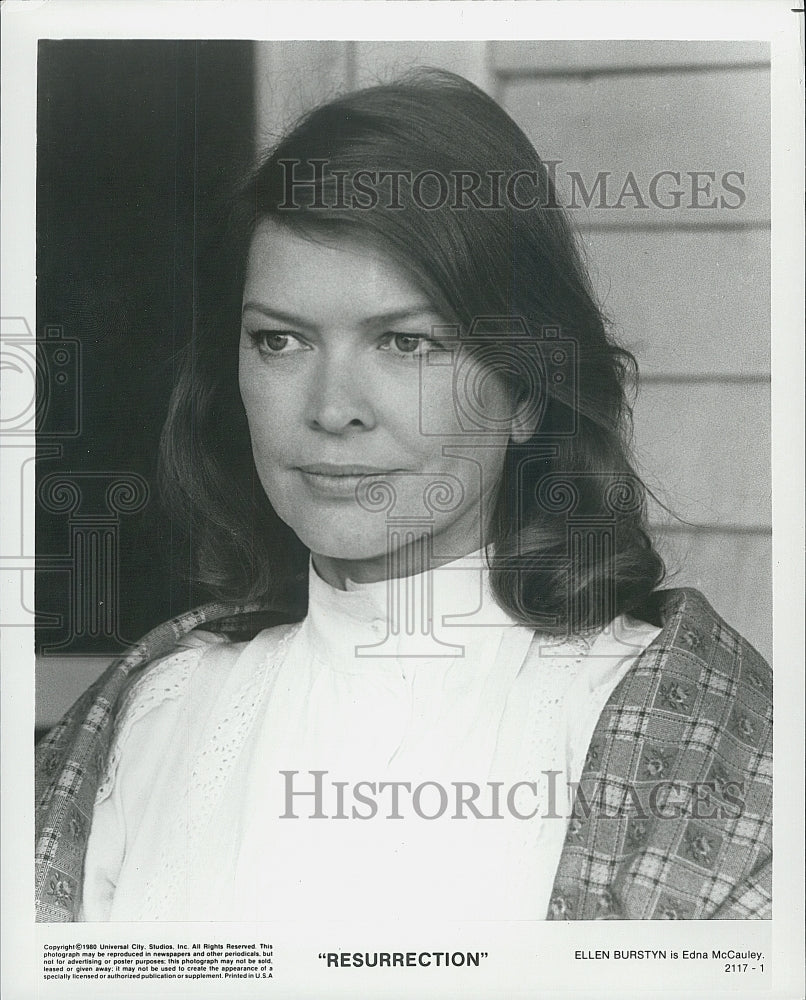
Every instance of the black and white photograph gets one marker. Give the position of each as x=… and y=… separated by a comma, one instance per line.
x=394, y=529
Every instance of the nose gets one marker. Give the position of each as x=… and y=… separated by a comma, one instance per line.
x=340, y=396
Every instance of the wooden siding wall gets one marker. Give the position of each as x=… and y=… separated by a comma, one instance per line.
x=687, y=288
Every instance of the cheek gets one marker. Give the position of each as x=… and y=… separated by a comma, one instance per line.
x=267, y=413
x=466, y=397
x=437, y=405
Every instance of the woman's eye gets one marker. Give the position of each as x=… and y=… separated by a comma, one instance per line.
x=409, y=343
x=276, y=341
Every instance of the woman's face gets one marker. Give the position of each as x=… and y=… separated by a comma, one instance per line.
x=352, y=406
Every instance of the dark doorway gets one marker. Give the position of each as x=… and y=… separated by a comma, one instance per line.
x=139, y=146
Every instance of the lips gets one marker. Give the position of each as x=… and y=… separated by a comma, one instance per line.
x=331, y=481
x=344, y=471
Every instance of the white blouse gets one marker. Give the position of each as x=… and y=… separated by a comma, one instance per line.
x=404, y=751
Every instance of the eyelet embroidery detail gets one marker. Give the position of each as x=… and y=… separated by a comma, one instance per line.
x=164, y=681
x=211, y=770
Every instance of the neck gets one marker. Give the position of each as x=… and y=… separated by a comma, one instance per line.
x=408, y=560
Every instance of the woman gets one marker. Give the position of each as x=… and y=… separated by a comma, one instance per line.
x=415, y=460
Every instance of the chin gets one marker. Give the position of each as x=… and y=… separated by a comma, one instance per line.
x=349, y=544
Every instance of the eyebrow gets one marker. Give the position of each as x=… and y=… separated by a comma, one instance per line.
x=408, y=312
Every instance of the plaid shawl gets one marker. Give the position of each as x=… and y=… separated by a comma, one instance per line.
x=671, y=820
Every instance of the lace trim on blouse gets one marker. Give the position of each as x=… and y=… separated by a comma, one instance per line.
x=164, y=681
x=211, y=768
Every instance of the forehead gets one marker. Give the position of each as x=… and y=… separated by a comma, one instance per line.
x=286, y=268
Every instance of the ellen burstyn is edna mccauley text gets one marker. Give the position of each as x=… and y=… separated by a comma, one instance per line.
x=642, y=953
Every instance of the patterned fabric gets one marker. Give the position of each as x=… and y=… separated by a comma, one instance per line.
x=671, y=818
x=679, y=781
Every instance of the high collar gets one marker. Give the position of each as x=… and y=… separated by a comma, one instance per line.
x=426, y=615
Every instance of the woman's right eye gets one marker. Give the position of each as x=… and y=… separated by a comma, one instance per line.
x=276, y=341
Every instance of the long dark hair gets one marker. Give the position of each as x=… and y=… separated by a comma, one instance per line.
x=473, y=217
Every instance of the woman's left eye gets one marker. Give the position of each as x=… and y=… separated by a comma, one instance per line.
x=408, y=343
